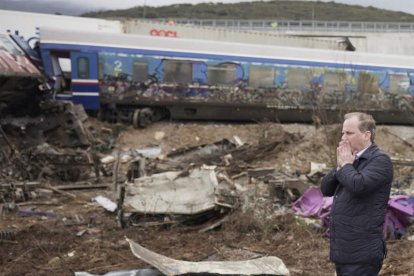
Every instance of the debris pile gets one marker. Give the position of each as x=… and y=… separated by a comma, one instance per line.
x=228, y=190
x=49, y=145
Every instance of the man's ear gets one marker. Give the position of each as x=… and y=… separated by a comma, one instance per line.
x=368, y=135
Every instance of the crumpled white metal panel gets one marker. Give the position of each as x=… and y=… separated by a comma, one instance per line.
x=172, y=192
x=270, y=265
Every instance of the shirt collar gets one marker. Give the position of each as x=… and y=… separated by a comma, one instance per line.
x=359, y=153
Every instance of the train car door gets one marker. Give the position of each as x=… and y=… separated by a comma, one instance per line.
x=84, y=85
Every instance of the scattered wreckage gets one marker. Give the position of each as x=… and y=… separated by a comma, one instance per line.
x=38, y=135
x=40, y=138
x=51, y=143
x=204, y=183
x=197, y=186
x=159, y=190
x=46, y=142
x=182, y=188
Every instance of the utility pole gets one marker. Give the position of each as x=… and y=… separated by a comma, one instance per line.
x=145, y=5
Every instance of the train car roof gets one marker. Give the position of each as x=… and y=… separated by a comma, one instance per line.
x=204, y=49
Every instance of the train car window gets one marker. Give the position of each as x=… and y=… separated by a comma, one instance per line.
x=262, y=76
x=221, y=74
x=83, y=67
x=140, y=70
x=399, y=83
x=177, y=71
x=298, y=78
x=334, y=81
x=368, y=83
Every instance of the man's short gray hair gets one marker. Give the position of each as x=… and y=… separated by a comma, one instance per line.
x=366, y=122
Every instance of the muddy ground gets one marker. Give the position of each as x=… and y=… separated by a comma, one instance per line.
x=50, y=246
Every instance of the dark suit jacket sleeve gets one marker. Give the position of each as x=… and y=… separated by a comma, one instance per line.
x=376, y=173
x=329, y=183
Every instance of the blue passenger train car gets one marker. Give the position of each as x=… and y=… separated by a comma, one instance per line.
x=141, y=79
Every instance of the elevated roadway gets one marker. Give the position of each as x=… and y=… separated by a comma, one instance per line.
x=374, y=37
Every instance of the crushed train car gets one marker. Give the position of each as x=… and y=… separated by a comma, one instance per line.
x=36, y=132
x=20, y=79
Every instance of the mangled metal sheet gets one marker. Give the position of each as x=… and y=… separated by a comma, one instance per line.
x=172, y=192
x=50, y=143
x=19, y=78
x=13, y=61
x=261, y=266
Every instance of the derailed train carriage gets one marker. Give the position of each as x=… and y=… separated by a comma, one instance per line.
x=141, y=79
x=20, y=79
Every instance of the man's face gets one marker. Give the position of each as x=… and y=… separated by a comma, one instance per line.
x=351, y=133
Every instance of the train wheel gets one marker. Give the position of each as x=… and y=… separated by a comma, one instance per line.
x=145, y=117
x=135, y=118
x=157, y=114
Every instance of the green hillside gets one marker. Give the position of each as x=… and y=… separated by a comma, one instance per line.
x=291, y=10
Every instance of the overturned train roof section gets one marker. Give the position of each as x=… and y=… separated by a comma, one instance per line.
x=18, y=76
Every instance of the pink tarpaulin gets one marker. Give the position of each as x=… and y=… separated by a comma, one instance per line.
x=313, y=203
x=400, y=210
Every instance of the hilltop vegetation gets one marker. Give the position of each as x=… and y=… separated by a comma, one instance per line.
x=291, y=10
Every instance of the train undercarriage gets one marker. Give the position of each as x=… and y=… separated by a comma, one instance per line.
x=144, y=116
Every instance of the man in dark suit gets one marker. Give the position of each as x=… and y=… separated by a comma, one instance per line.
x=361, y=185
